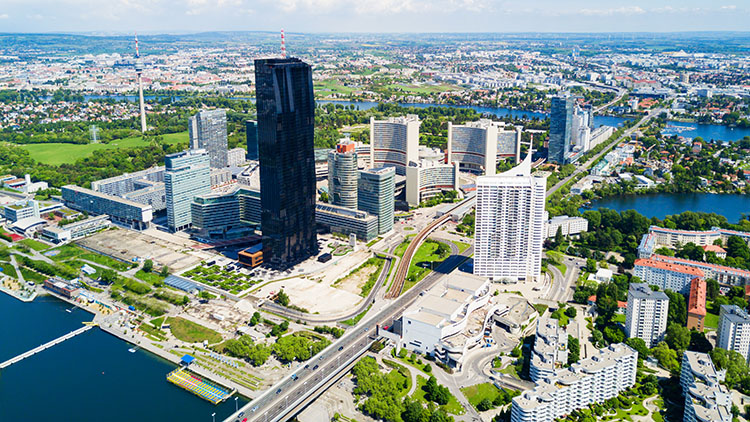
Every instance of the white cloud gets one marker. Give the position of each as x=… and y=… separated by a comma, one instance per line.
x=630, y=10
x=381, y=7
x=4, y=16
x=730, y=7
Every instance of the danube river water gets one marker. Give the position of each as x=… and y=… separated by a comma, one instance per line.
x=89, y=378
x=661, y=205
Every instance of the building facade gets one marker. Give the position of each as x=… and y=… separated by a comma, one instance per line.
x=286, y=125
x=236, y=157
x=375, y=195
x=394, y=142
x=734, y=330
x=560, y=129
x=21, y=210
x=77, y=230
x=594, y=380
x=721, y=273
x=217, y=216
x=208, y=131
x=696, y=307
x=347, y=221
x=510, y=224
x=550, y=351
x=428, y=179
x=251, y=137
x=706, y=399
x=666, y=275
x=474, y=146
x=187, y=175
x=343, y=174
x=123, y=211
x=646, y=314
x=567, y=225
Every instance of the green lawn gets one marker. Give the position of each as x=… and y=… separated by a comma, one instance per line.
x=476, y=393
x=510, y=370
x=424, y=260
x=424, y=89
x=333, y=86
x=29, y=275
x=61, y=153
x=190, y=332
x=619, y=318
x=9, y=270
x=453, y=407
x=66, y=252
x=34, y=244
x=461, y=245
x=151, y=278
x=106, y=261
x=711, y=321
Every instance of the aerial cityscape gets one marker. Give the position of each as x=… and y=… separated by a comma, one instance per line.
x=314, y=211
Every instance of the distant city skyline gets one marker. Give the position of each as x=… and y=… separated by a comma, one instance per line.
x=170, y=16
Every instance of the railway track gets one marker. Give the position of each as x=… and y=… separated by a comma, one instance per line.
x=403, y=266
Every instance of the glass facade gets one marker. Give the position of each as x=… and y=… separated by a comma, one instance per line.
x=561, y=126
x=208, y=130
x=187, y=175
x=251, y=134
x=375, y=195
x=286, y=124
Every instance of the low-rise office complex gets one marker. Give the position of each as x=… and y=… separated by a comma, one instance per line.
x=550, y=351
x=76, y=230
x=646, y=314
x=123, y=211
x=346, y=221
x=594, y=380
x=706, y=399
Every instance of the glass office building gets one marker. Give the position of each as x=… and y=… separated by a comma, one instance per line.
x=187, y=175
x=375, y=195
x=286, y=124
x=208, y=130
x=561, y=126
x=251, y=135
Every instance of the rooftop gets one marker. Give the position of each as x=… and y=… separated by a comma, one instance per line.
x=661, y=265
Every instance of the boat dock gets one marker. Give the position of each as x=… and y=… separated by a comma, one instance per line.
x=46, y=346
x=183, y=378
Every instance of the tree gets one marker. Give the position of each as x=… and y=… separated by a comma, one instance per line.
x=148, y=265
x=737, y=248
x=712, y=289
x=699, y=342
x=591, y=265
x=558, y=237
x=435, y=392
x=414, y=411
x=108, y=276
x=484, y=405
x=639, y=345
x=164, y=271
x=571, y=312
x=667, y=357
x=282, y=298
x=255, y=319
x=677, y=311
x=574, y=350
x=614, y=334
x=677, y=337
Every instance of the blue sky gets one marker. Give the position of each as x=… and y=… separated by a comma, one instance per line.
x=158, y=16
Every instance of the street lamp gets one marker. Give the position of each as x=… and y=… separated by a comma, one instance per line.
x=236, y=405
x=213, y=417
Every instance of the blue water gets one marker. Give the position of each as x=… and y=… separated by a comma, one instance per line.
x=663, y=204
x=89, y=378
x=707, y=132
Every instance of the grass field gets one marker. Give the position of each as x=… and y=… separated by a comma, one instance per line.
x=711, y=321
x=424, y=260
x=476, y=393
x=191, y=332
x=461, y=245
x=59, y=153
x=151, y=278
x=34, y=244
x=106, y=261
x=424, y=89
x=333, y=86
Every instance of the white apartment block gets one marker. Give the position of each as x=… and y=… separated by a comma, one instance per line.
x=236, y=157
x=646, y=314
x=510, y=224
x=474, y=146
x=394, y=142
x=706, y=399
x=550, y=349
x=593, y=380
x=734, y=330
x=568, y=225
x=666, y=275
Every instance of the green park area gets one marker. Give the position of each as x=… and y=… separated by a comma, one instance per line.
x=62, y=153
x=424, y=89
x=191, y=332
x=429, y=255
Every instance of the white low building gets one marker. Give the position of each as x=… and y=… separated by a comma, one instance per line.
x=567, y=225
x=594, y=380
x=447, y=320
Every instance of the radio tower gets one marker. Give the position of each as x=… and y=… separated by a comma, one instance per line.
x=138, y=74
x=283, y=45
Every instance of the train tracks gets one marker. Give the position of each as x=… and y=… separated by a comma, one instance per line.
x=403, y=266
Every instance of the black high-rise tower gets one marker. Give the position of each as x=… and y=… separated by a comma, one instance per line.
x=286, y=124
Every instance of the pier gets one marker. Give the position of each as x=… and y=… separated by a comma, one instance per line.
x=45, y=346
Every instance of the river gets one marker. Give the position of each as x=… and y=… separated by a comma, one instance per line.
x=89, y=378
x=689, y=130
x=661, y=205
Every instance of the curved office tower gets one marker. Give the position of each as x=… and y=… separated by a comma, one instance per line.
x=342, y=175
x=510, y=224
x=286, y=121
x=474, y=146
x=394, y=142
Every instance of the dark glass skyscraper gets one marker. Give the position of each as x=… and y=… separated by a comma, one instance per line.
x=251, y=134
x=286, y=123
x=560, y=128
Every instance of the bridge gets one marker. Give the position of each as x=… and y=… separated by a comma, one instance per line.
x=45, y=346
x=292, y=393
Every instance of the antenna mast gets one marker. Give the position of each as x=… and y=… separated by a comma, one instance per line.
x=138, y=74
x=283, y=44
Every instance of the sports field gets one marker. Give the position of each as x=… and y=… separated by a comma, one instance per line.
x=58, y=153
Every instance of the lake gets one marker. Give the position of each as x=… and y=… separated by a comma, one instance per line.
x=89, y=378
x=661, y=205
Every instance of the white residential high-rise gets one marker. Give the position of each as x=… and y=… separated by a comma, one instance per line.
x=474, y=146
x=394, y=142
x=646, y=315
x=510, y=224
x=594, y=380
x=706, y=399
x=734, y=330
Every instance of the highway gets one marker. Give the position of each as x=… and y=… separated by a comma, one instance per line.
x=584, y=167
